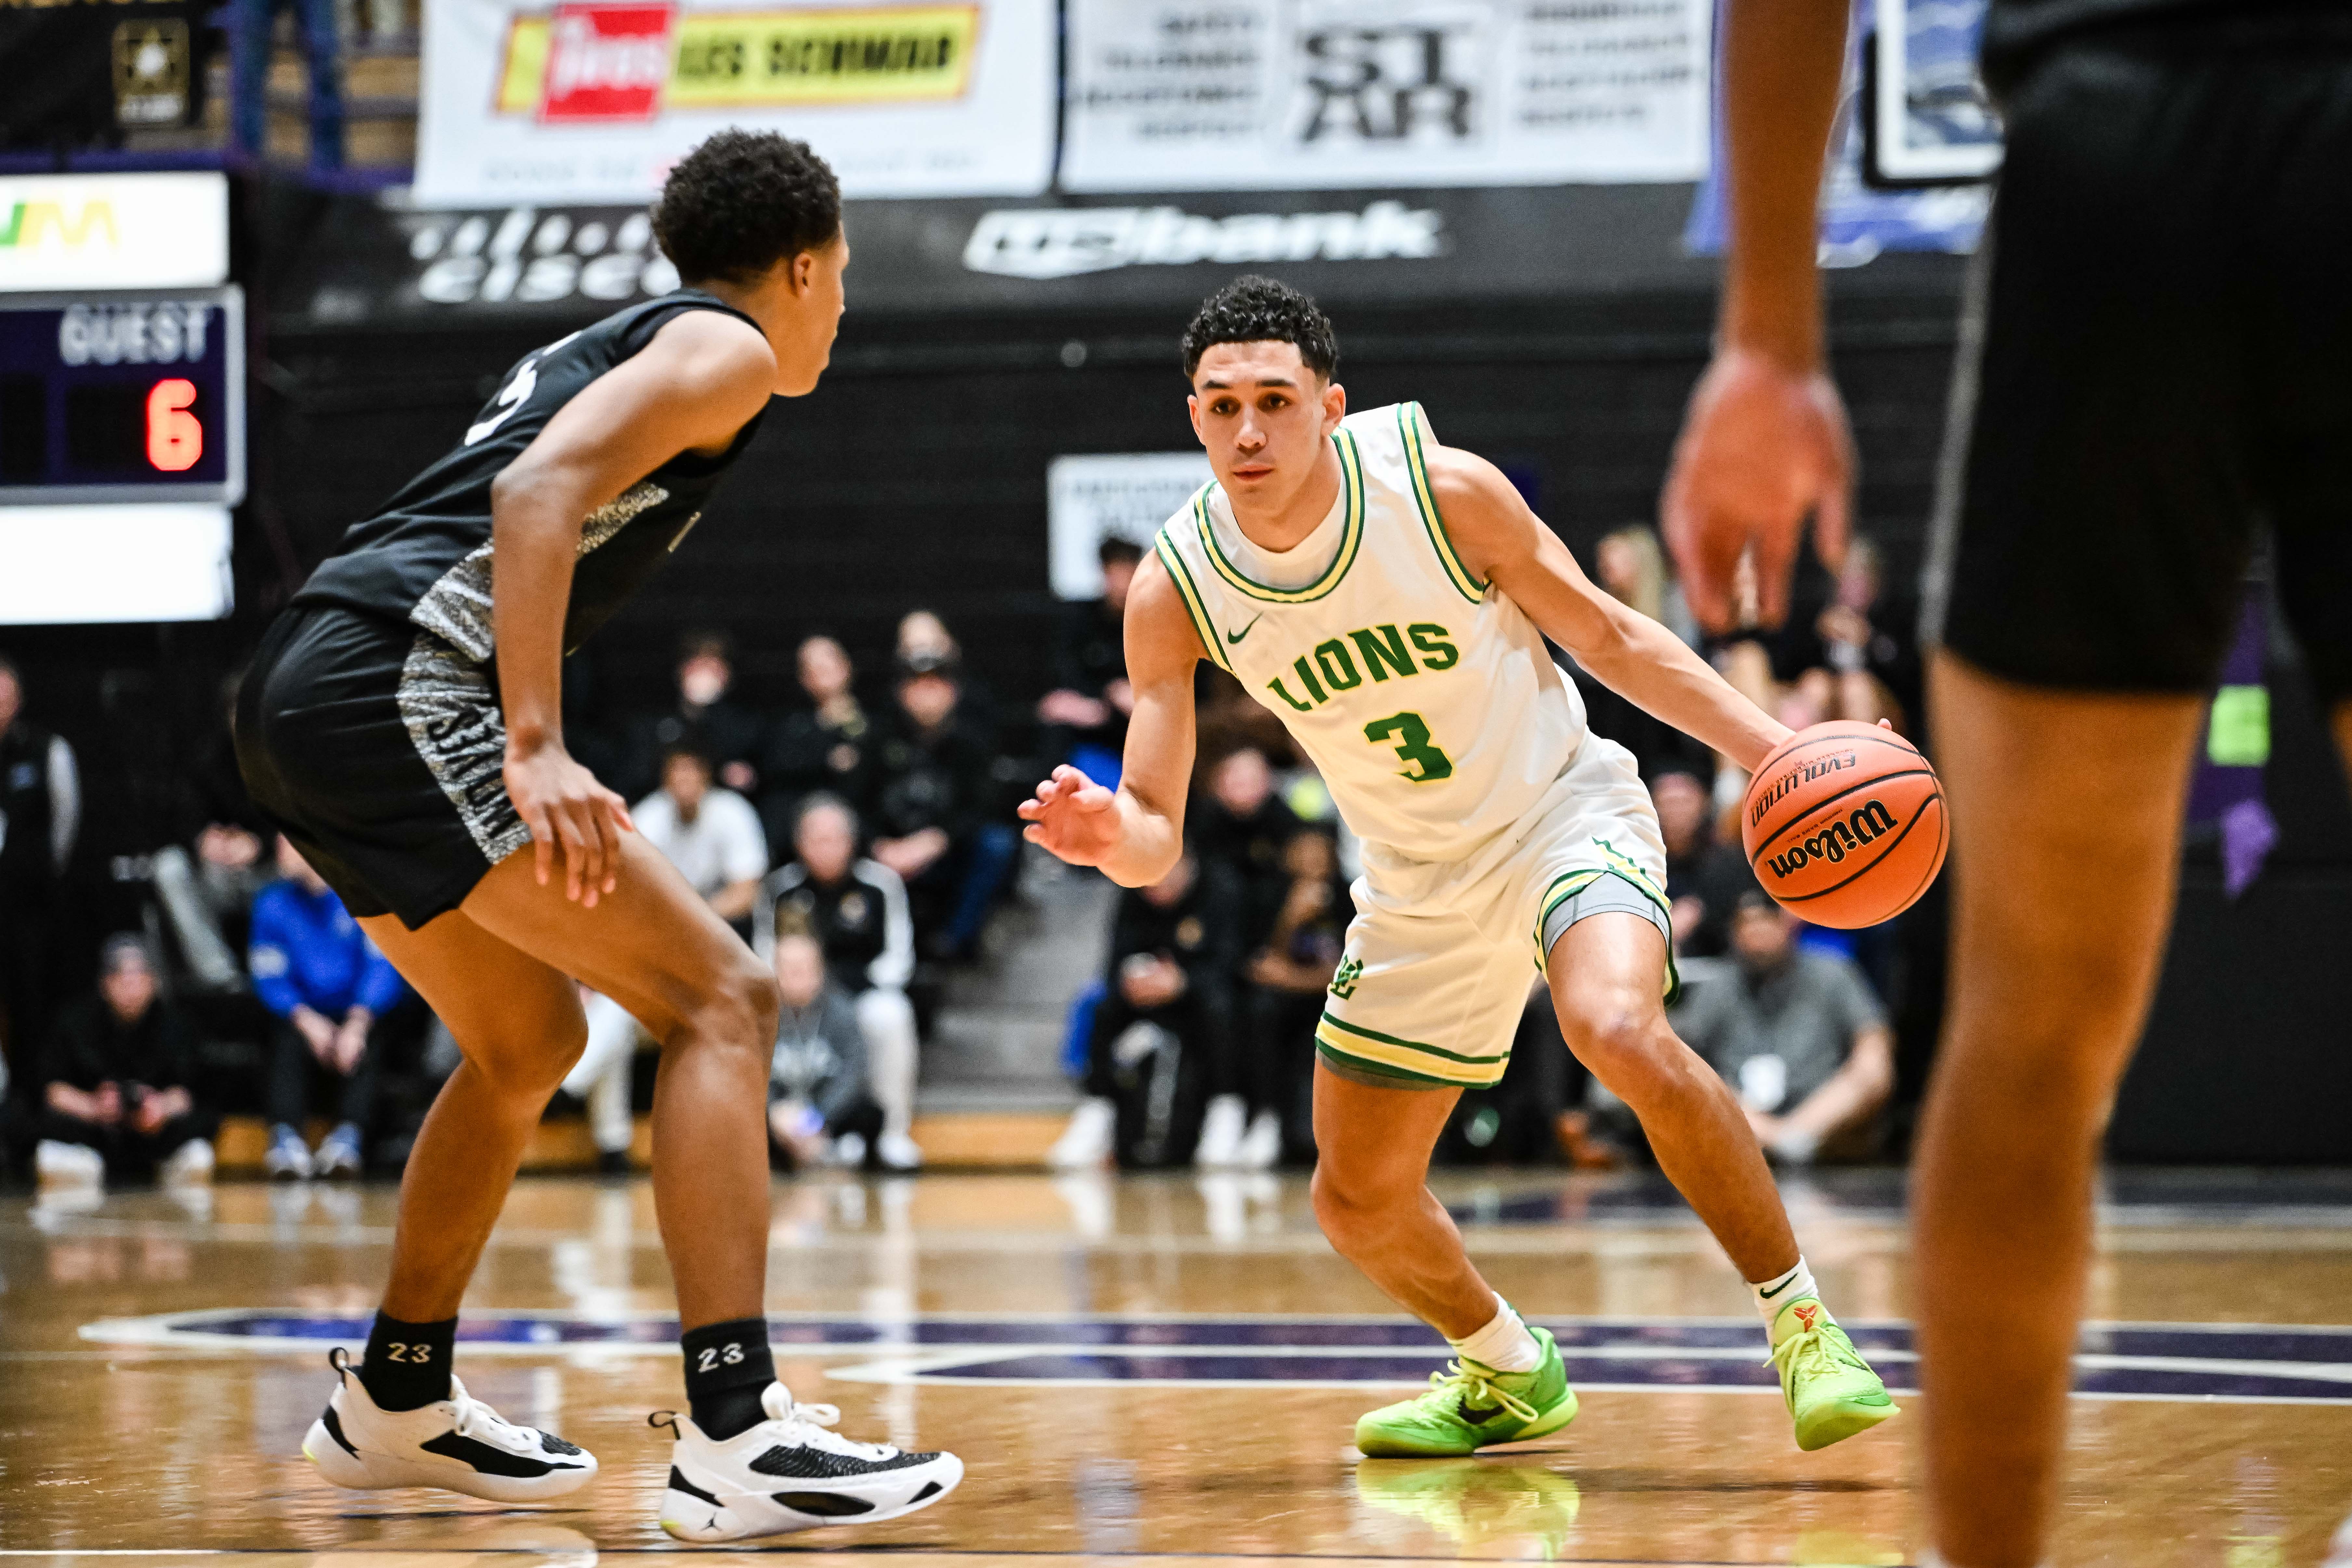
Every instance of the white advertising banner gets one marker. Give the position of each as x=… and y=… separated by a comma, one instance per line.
x=1205, y=95
x=71, y=232
x=559, y=101
x=78, y=565
x=1111, y=495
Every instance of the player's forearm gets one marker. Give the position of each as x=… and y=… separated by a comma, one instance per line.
x=1783, y=63
x=1656, y=671
x=533, y=534
x=1149, y=847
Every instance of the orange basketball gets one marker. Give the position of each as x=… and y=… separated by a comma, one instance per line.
x=1844, y=825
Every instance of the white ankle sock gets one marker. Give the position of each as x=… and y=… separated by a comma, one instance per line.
x=1777, y=1292
x=1503, y=1344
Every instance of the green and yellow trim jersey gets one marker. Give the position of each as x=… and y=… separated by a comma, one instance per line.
x=1428, y=701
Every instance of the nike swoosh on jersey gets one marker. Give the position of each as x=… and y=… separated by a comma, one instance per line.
x=1233, y=638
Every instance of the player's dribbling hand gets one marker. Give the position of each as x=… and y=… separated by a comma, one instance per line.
x=1073, y=818
x=1762, y=446
x=568, y=811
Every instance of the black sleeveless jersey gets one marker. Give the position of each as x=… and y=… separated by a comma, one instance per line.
x=426, y=555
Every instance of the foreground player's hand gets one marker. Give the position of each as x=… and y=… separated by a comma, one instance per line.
x=1073, y=818
x=569, y=812
x=1762, y=447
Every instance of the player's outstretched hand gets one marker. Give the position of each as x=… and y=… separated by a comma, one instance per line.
x=570, y=813
x=1073, y=817
x=1762, y=447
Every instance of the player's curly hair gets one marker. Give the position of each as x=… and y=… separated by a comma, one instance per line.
x=743, y=201
x=1254, y=310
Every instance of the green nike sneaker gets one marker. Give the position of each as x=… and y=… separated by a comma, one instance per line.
x=1469, y=1407
x=1830, y=1391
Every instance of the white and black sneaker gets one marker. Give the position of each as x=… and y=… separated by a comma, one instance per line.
x=458, y=1444
x=789, y=1473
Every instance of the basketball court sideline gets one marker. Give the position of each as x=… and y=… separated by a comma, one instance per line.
x=1158, y=1370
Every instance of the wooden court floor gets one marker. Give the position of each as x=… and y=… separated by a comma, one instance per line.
x=1156, y=1371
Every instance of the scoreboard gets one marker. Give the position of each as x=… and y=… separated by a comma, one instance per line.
x=122, y=397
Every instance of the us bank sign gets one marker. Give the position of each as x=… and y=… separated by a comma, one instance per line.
x=1065, y=242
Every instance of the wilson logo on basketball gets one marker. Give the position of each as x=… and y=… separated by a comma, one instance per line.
x=1760, y=801
x=607, y=62
x=1834, y=842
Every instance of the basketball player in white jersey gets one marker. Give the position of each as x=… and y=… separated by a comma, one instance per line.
x=1388, y=599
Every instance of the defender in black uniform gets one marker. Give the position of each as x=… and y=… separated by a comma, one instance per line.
x=402, y=723
x=2151, y=366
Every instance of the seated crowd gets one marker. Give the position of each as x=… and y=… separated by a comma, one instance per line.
x=860, y=840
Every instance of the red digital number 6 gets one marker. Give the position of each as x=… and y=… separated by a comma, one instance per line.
x=175, y=437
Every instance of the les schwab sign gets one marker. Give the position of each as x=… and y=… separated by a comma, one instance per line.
x=593, y=102
x=610, y=63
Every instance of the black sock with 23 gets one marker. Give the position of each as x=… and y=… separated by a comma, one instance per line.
x=727, y=1368
x=407, y=1366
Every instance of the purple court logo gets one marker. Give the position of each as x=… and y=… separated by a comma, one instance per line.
x=2240, y=1363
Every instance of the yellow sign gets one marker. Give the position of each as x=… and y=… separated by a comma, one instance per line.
x=755, y=59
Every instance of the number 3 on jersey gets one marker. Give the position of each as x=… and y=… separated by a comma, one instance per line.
x=1426, y=763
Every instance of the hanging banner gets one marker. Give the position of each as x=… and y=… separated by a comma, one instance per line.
x=587, y=103
x=1860, y=219
x=1206, y=95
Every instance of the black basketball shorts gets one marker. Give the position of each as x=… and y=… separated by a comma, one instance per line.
x=380, y=751
x=2155, y=363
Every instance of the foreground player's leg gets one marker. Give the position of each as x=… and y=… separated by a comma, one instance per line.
x=748, y=1460
x=1607, y=974
x=404, y=1419
x=2066, y=813
x=497, y=973
x=1373, y=1202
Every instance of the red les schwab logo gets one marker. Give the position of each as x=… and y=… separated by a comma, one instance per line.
x=607, y=62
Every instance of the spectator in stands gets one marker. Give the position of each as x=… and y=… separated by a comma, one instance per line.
x=713, y=837
x=1242, y=831
x=935, y=818
x=923, y=635
x=702, y=717
x=1168, y=1007
x=855, y=912
x=1288, y=972
x=1869, y=642
x=1245, y=828
x=1795, y=1034
x=328, y=989
x=1630, y=567
x=40, y=817
x=821, y=1105
x=1088, y=707
x=250, y=26
x=1703, y=877
x=828, y=746
x=206, y=881
x=119, y=1099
